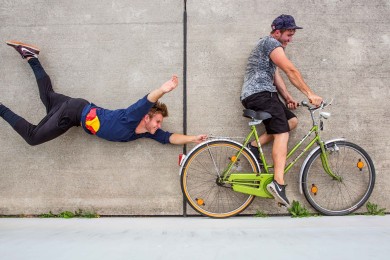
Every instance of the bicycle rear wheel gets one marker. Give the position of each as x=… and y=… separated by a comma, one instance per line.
x=200, y=179
x=356, y=173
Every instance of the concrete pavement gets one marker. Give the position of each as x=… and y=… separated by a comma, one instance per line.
x=349, y=237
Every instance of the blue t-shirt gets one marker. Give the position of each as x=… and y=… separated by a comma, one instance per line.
x=260, y=70
x=119, y=125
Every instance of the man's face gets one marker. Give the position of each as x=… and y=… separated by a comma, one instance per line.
x=285, y=37
x=153, y=123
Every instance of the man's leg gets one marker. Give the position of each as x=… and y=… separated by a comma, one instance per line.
x=30, y=52
x=59, y=120
x=9, y=116
x=279, y=154
x=48, y=97
x=277, y=128
x=266, y=138
x=50, y=126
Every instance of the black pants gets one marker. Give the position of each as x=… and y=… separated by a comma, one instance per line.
x=63, y=112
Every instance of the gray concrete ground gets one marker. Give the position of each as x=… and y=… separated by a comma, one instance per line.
x=349, y=237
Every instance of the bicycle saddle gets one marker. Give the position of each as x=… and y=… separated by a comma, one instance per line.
x=259, y=115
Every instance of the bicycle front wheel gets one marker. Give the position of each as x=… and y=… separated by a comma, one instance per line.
x=201, y=184
x=353, y=186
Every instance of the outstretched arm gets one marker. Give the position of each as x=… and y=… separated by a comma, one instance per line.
x=167, y=87
x=184, y=139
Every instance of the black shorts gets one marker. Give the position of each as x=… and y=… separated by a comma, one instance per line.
x=270, y=102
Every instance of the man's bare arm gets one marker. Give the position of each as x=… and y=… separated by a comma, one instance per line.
x=167, y=87
x=184, y=139
x=280, y=59
x=282, y=89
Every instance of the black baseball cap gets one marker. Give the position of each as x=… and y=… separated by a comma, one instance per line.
x=284, y=21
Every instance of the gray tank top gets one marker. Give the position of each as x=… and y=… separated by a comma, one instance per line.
x=260, y=70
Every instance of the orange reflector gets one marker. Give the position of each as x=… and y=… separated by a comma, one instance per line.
x=233, y=158
x=360, y=164
x=314, y=189
x=200, y=202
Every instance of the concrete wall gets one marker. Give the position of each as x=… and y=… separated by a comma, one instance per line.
x=114, y=52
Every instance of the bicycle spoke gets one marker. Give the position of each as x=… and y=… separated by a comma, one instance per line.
x=204, y=167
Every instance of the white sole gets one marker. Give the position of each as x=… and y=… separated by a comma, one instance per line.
x=276, y=197
x=15, y=43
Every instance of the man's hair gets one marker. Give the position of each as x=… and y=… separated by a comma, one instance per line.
x=158, y=108
x=281, y=31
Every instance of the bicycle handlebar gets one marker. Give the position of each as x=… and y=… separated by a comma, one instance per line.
x=312, y=108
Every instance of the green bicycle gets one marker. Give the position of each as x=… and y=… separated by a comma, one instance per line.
x=221, y=177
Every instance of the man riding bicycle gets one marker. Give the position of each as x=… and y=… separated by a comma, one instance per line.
x=262, y=83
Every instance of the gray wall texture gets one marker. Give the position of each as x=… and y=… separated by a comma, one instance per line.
x=113, y=52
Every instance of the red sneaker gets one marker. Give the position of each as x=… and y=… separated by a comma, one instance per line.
x=26, y=50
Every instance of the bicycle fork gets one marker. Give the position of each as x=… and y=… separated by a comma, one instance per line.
x=325, y=161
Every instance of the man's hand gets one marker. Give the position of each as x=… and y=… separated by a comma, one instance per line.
x=170, y=84
x=314, y=99
x=200, y=138
x=167, y=87
x=292, y=104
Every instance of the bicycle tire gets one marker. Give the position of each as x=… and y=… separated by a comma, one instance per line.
x=199, y=179
x=339, y=197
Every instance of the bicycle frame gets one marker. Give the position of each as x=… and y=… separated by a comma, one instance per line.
x=266, y=166
x=249, y=183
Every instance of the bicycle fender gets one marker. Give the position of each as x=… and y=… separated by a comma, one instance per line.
x=308, y=157
x=212, y=140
